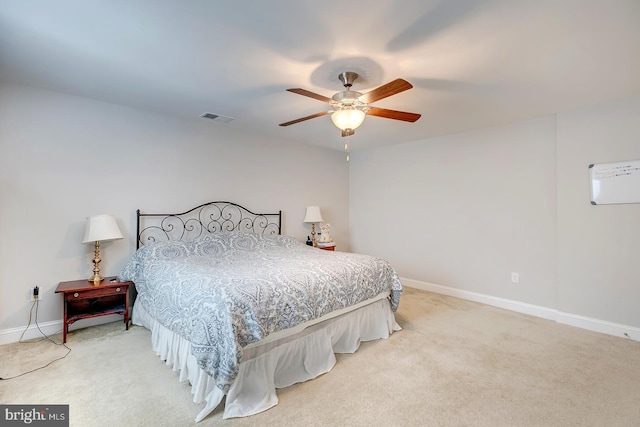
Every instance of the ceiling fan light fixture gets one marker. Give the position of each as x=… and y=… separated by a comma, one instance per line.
x=347, y=118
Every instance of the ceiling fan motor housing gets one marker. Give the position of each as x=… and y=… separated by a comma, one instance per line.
x=347, y=78
x=347, y=97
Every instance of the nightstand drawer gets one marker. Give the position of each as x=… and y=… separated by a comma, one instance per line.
x=96, y=293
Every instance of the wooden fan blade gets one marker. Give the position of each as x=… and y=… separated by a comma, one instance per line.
x=348, y=132
x=391, y=88
x=393, y=114
x=302, y=119
x=313, y=95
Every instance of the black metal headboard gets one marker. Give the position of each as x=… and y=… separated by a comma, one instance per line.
x=212, y=217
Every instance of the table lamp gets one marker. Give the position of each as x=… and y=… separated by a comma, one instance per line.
x=100, y=228
x=313, y=215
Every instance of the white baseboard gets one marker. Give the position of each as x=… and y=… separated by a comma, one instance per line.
x=601, y=326
x=53, y=327
x=582, y=322
x=32, y=332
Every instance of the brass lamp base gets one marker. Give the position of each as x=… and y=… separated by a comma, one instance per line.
x=314, y=243
x=96, y=278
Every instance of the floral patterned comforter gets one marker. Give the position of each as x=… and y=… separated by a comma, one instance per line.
x=224, y=291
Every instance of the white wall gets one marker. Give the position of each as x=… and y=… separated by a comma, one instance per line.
x=598, y=246
x=64, y=158
x=464, y=211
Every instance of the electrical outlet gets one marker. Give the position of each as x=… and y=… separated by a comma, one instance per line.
x=515, y=277
x=33, y=292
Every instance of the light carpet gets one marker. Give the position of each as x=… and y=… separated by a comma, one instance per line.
x=455, y=363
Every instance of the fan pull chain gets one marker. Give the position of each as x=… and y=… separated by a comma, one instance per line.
x=346, y=147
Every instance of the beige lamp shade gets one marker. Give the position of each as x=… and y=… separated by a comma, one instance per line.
x=101, y=228
x=313, y=214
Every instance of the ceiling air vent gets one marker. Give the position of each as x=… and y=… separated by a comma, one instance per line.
x=217, y=117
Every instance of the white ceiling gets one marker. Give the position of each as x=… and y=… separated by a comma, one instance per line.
x=473, y=63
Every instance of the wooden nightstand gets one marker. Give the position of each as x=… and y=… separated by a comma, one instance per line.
x=327, y=248
x=83, y=300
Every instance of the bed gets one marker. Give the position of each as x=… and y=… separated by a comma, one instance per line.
x=240, y=310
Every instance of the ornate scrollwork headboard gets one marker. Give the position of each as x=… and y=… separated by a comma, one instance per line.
x=212, y=217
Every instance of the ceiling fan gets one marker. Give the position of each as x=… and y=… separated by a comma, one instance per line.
x=350, y=107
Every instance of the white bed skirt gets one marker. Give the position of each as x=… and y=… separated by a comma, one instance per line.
x=276, y=364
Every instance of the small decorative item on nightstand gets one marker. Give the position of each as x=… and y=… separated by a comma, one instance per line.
x=325, y=236
x=325, y=241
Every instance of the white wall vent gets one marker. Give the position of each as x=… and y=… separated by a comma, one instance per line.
x=217, y=117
